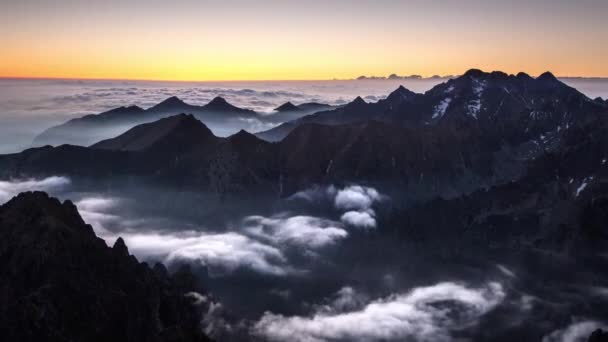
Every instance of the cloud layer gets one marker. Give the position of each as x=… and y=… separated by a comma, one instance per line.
x=257, y=242
x=423, y=314
x=299, y=231
x=9, y=189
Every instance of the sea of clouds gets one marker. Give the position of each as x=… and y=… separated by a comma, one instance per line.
x=274, y=245
x=28, y=107
x=257, y=242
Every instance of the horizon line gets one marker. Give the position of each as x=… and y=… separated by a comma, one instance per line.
x=370, y=78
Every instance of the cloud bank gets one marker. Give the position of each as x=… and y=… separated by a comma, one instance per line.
x=257, y=243
x=11, y=188
x=300, y=231
x=355, y=201
x=423, y=314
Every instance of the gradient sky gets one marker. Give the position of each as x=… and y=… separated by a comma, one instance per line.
x=312, y=39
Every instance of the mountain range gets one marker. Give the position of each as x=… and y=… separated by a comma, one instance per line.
x=495, y=102
x=482, y=162
x=223, y=117
x=476, y=139
x=472, y=132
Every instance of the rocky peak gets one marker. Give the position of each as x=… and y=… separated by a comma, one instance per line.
x=120, y=247
x=175, y=131
x=59, y=282
x=38, y=205
x=173, y=101
x=286, y=107
x=169, y=104
x=219, y=104
x=547, y=77
x=218, y=101
x=356, y=103
x=400, y=94
x=474, y=73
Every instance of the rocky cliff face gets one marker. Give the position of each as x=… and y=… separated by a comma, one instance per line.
x=559, y=204
x=59, y=282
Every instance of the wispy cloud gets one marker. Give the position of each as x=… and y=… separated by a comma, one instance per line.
x=423, y=314
x=305, y=232
x=575, y=332
x=257, y=243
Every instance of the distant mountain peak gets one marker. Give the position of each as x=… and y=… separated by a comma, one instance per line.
x=286, y=107
x=358, y=101
x=474, y=73
x=546, y=77
x=218, y=100
x=400, y=94
x=220, y=104
x=173, y=100
x=524, y=76
x=181, y=129
x=120, y=247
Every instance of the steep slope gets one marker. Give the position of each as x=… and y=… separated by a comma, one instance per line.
x=421, y=162
x=518, y=107
x=182, y=129
x=178, y=151
x=286, y=107
x=561, y=204
x=59, y=282
x=356, y=111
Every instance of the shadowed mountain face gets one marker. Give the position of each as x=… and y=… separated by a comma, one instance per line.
x=560, y=203
x=92, y=128
x=59, y=282
x=178, y=130
x=514, y=106
x=473, y=132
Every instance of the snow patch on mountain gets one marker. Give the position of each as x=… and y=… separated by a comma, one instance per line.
x=441, y=108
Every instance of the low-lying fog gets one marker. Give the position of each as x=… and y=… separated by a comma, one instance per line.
x=28, y=107
x=322, y=265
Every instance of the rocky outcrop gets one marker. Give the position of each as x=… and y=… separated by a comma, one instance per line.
x=59, y=282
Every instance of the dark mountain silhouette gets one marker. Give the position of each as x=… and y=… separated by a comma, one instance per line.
x=220, y=105
x=182, y=129
x=560, y=203
x=93, y=128
x=499, y=103
x=355, y=111
x=488, y=134
x=598, y=335
x=59, y=282
x=304, y=107
x=288, y=111
x=286, y=107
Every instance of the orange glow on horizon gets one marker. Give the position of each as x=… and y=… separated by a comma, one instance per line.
x=287, y=40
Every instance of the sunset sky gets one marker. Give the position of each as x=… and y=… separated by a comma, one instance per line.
x=264, y=40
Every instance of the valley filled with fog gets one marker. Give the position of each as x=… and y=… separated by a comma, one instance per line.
x=349, y=231
x=325, y=264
